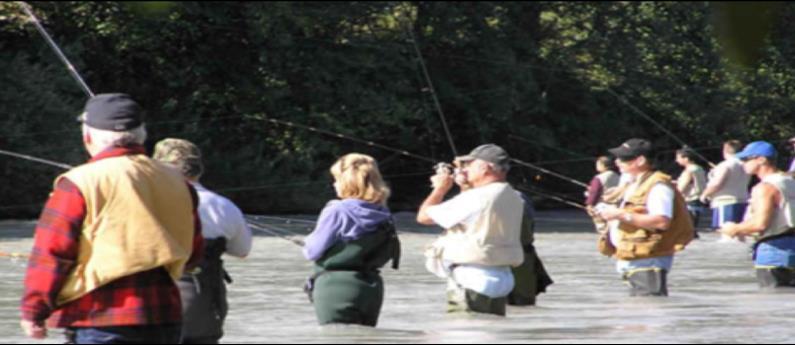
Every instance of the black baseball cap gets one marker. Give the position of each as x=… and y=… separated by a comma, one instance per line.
x=116, y=112
x=632, y=148
x=490, y=153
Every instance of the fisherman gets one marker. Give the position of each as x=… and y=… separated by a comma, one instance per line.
x=606, y=179
x=353, y=239
x=603, y=184
x=727, y=189
x=691, y=183
x=483, y=231
x=531, y=278
x=203, y=290
x=771, y=217
x=115, y=235
x=650, y=224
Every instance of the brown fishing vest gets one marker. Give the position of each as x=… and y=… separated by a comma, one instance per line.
x=637, y=243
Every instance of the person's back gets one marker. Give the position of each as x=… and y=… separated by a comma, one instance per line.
x=352, y=240
x=735, y=187
x=727, y=189
x=203, y=290
x=119, y=228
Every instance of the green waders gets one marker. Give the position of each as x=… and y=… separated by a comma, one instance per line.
x=347, y=285
x=531, y=277
x=203, y=292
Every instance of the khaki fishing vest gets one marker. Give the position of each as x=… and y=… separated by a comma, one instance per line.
x=638, y=243
x=493, y=239
x=139, y=216
x=698, y=182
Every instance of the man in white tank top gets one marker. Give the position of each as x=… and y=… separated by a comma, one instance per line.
x=771, y=217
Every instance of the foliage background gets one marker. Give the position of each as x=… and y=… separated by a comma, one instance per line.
x=542, y=79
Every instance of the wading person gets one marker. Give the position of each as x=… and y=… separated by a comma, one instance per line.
x=531, y=277
x=691, y=183
x=203, y=290
x=727, y=189
x=354, y=238
x=482, y=240
x=771, y=217
x=114, y=236
x=605, y=180
x=650, y=224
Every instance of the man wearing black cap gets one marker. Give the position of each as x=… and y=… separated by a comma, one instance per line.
x=114, y=236
x=650, y=225
x=483, y=223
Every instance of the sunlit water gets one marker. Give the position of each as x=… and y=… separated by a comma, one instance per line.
x=714, y=296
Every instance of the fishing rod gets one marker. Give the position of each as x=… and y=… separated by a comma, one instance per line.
x=36, y=159
x=286, y=220
x=431, y=88
x=343, y=136
x=661, y=127
x=271, y=230
x=546, y=171
x=553, y=197
x=404, y=152
x=72, y=70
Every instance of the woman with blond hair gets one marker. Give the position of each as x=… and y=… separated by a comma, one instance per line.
x=354, y=237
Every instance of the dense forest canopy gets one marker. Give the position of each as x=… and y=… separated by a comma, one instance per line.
x=555, y=83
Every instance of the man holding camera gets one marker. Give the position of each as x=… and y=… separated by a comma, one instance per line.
x=482, y=240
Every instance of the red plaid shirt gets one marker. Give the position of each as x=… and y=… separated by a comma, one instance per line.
x=145, y=298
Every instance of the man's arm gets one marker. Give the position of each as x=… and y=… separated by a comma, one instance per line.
x=54, y=255
x=442, y=183
x=714, y=184
x=684, y=180
x=764, y=199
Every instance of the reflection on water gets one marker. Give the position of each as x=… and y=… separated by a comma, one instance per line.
x=714, y=297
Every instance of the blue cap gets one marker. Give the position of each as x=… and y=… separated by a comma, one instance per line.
x=758, y=149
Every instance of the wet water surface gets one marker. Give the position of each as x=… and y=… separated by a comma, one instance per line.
x=713, y=296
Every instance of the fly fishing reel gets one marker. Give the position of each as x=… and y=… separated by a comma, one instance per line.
x=444, y=168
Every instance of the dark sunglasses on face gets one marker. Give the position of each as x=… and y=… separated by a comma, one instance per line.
x=627, y=159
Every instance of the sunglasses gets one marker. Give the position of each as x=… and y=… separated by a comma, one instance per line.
x=625, y=159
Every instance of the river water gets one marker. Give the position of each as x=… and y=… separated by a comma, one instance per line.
x=713, y=296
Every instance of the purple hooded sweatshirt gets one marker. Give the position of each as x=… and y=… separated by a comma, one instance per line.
x=343, y=221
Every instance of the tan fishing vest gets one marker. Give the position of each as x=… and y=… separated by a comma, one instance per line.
x=139, y=216
x=638, y=243
x=494, y=238
x=698, y=182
